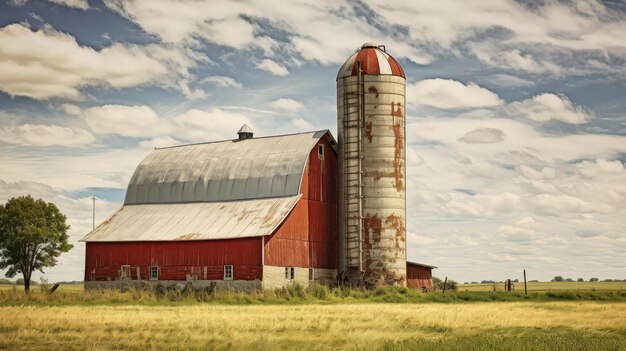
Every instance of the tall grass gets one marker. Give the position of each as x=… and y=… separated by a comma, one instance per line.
x=292, y=294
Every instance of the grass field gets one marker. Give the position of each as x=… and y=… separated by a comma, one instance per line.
x=549, y=286
x=479, y=326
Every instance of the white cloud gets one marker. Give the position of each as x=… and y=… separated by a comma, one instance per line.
x=222, y=81
x=131, y=121
x=531, y=173
x=450, y=94
x=77, y=4
x=70, y=109
x=164, y=141
x=47, y=135
x=214, y=124
x=273, y=67
x=547, y=106
x=289, y=105
x=483, y=136
x=599, y=167
x=301, y=123
x=46, y=63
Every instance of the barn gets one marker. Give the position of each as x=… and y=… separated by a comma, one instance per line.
x=249, y=213
x=419, y=275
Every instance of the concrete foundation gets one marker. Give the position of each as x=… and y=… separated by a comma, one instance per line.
x=237, y=285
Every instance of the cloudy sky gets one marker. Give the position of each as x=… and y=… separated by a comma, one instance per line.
x=516, y=125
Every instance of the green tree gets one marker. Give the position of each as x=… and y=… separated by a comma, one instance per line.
x=33, y=233
x=558, y=278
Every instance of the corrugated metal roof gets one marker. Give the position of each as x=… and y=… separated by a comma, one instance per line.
x=194, y=221
x=223, y=171
x=420, y=264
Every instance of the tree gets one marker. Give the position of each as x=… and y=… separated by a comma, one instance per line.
x=33, y=233
x=580, y=280
x=558, y=278
x=593, y=279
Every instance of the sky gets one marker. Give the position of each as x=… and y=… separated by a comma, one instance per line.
x=516, y=112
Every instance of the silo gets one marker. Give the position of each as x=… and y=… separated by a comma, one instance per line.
x=371, y=148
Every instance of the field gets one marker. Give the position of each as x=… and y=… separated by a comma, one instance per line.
x=549, y=286
x=486, y=326
x=314, y=318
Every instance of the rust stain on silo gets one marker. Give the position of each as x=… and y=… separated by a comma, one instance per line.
x=372, y=89
x=368, y=131
x=397, y=223
x=372, y=225
x=398, y=160
x=396, y=110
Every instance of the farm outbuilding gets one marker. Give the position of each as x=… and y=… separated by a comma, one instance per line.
x=254, y=213
x=419, y=275
x=248, y=213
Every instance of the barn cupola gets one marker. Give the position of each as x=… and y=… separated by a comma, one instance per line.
x=245, y=132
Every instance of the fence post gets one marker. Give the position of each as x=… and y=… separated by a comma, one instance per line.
x=445, y=282
x=525, y=287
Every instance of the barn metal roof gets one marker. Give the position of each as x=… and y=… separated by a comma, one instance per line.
x=229, y=170
x=420, y=264
x=194, y=221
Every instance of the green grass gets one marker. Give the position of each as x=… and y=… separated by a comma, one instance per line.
x=549, y=286
x=293, y=294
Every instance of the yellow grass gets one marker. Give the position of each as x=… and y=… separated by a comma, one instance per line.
x=301, y=327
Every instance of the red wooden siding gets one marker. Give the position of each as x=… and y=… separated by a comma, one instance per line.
x=419, y=277
x=323, y=207
x=308, y=237
x=175, y=260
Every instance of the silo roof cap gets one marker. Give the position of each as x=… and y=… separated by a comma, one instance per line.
x=369, y=44
x=374, y=61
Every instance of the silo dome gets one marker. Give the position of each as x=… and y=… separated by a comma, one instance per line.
x=374, y=60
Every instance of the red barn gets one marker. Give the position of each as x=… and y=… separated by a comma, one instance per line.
x=248, y=213
x=419, y=276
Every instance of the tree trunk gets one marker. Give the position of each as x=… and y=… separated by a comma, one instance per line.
x=26, y=284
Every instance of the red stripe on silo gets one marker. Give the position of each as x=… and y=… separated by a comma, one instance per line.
x=369, y=62
x=396, y=70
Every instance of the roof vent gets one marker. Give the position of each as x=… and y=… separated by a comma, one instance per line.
x=245, y=132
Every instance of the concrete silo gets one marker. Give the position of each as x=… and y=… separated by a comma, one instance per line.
x=371, y=153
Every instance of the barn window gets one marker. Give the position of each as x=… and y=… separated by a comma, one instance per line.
x=290, y=273
x=125, y=272
x=154, y=273
x=320, y=151
x=311, y=274
x=228, y=272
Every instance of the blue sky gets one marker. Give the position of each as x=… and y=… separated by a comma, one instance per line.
x=516, y=116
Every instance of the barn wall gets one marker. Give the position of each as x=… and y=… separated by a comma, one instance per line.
x=176, y=260
x=419, y=277
x=308, y=237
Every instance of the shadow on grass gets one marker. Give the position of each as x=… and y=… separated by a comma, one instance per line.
x=513, y=339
